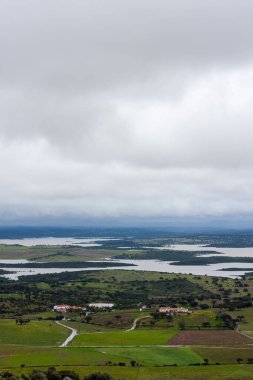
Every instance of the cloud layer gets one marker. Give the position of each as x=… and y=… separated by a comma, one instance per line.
x=126, y=109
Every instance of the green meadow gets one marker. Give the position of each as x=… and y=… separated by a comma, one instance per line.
x=35, y=333
x=225, y=355
x=125, y=338
x=15, y=356
x=153, y=356
x=246, y=323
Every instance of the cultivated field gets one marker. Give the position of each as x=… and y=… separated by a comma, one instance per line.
x=124, y=338
x=205, y=338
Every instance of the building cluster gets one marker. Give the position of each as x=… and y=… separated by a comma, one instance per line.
x=109, y=306
x=101, y=306
x=173, y=310
x=64, y=308
x=92, y=306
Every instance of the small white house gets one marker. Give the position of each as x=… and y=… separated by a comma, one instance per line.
x=61, y=308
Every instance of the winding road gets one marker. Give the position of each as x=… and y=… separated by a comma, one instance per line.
x=136, y=321
x=70, y=337
x=74, y=331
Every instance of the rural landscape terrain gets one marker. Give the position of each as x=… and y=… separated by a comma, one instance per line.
x=113, y=320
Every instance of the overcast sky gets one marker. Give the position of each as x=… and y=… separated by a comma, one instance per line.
x=126, y=109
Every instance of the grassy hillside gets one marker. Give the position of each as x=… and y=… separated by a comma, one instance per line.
x=37, y=333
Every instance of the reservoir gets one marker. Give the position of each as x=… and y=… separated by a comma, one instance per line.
x=143, y=265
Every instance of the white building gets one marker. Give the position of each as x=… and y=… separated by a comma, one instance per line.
x=173, y=310
x=101, y=305
x=61, y=308
x=64, y=308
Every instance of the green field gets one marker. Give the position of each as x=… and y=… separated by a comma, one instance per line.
x=37, y=333
x=198, y=317
x=16, y=356
x=124, y=338
x=88, y=328
x=224, y=355
x=247, y=322
x=152, y=356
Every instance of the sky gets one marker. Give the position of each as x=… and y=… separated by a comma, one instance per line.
x=126, y=110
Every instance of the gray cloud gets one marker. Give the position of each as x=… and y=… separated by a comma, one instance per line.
x=124, y=109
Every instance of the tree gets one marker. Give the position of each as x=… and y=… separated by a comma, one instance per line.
x=181, y=325
x=52, y=374
x=38, y=375
x=69, y=374
x=22, y=321
x=88, y=318
x=98, y=376
x=206, y=324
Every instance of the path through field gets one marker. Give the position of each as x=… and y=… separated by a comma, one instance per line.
x=244, y=333
x=74, y=331
x=136, y=321
x=70, y=337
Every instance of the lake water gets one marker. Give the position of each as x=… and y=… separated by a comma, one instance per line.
x=30, y=242
x=233, y=252
x=144, y=265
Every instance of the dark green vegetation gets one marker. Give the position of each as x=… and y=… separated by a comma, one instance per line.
x=237, y=269
x=52, y=374
x=131, y=373
x=3, y=272
x=124, y=288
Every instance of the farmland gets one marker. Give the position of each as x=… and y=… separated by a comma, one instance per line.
x=15, y=356
x=205, y=338
x=119, y=338
x=208, y=343
x=103, y=344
